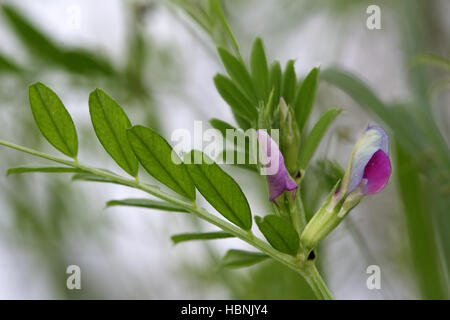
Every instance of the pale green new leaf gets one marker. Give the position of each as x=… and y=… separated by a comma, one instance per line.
x=53, y=119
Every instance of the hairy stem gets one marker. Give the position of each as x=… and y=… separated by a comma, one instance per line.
x=306, y=269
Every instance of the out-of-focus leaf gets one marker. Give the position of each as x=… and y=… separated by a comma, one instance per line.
x=289, y=83
x=41, y=169
x=110, y=124
x=37, y=43
x=330, y=171
x=240, y=258
x=259, y=69
x=158, y=158
x=238, y=102
x=53, y=119
x=6, y=65
x=83, y=61
x=432, y=60
x=217, y=13
x=305, y=98
x=398, y=120
x=219, y=189
x=421, y=235
x=314, y=138
x=41, y=45
x=238, y=73
x=145, y=203
x=279, y=233
x=182, y=237
x=412, y=134
x=196, y=12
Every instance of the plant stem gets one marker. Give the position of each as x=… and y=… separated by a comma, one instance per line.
x=306, y=269
x=315, y=281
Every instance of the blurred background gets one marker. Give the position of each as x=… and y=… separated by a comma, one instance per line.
x=157, y=59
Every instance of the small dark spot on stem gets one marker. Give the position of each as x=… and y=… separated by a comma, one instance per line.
x=298, y=175
x=311, y=256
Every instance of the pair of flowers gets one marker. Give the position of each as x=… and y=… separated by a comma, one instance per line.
x=368, y=172
x=368, y=169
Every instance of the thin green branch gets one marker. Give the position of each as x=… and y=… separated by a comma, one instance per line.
x=306, y=269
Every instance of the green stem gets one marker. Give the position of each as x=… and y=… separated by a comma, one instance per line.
x=315, y=281
x=307, y=270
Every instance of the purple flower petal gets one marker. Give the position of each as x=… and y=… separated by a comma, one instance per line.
x=280, y=180
x=370, y=142
x=377, y=172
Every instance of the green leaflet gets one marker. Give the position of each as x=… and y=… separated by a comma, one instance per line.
x=422, y=239
x=279, y=233
x=157, y=157
x=289, y=83
x=182, y=237
x=217, y=14
x=315, y=136
x=41, y=169
x=145, y=203
x=82, y=176
x=110, y=124
x=232, y=95
x=275, y=84
x=219, y=189
x=238, y=73
x=53, y=119
x=305, y=98
x=220, y=125
x=259, y=69
x=241, y=258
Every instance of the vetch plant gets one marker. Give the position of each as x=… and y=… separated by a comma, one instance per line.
x=262, y=97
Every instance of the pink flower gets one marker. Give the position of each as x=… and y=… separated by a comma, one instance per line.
x=369, y=167
x=277, y=176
